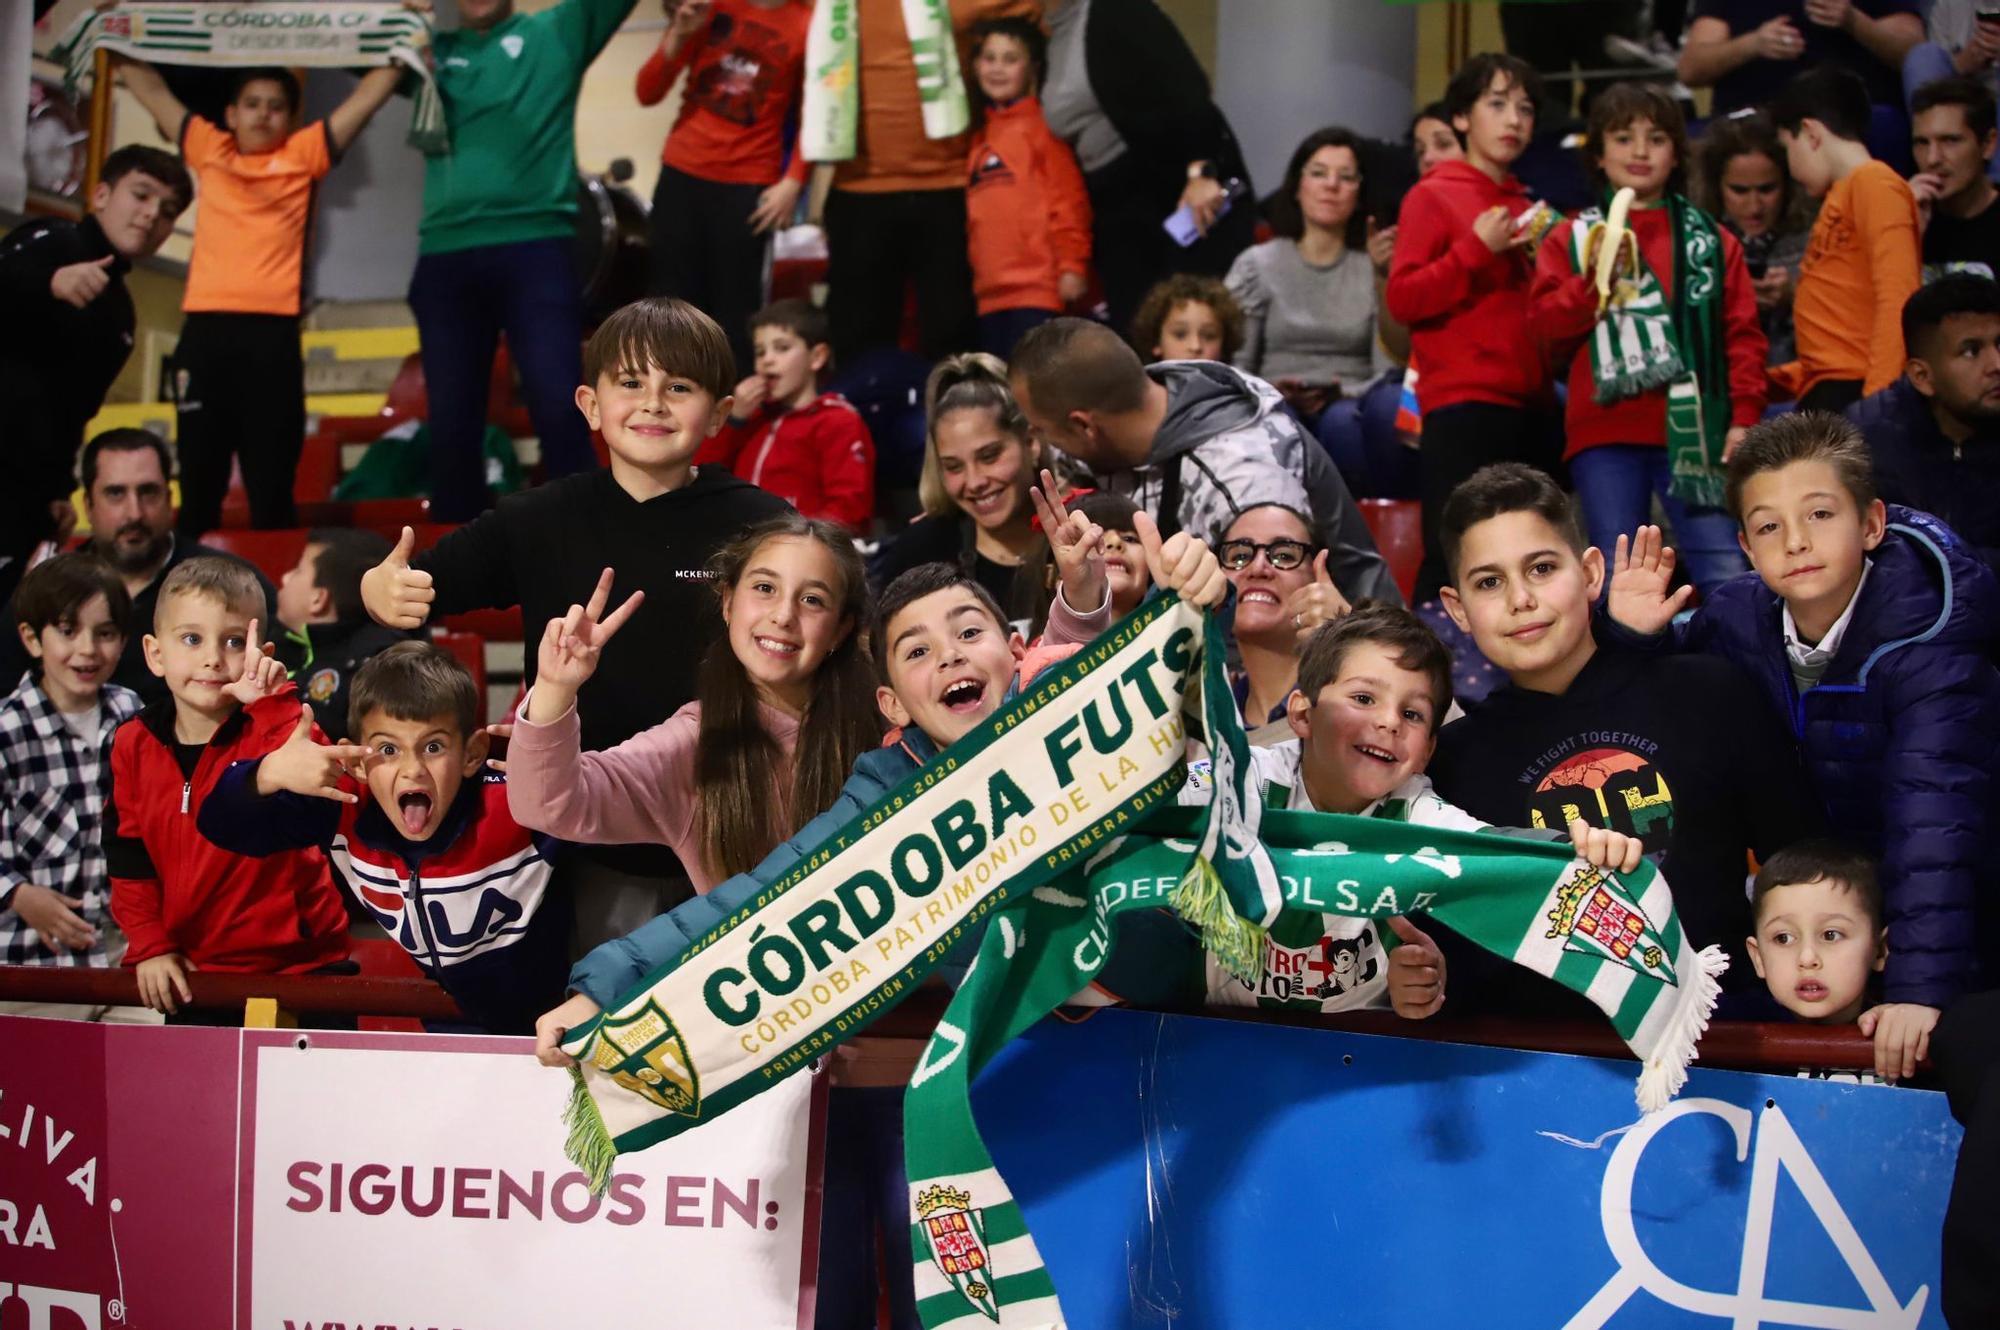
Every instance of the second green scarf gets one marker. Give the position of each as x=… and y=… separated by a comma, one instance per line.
x=1645, y=342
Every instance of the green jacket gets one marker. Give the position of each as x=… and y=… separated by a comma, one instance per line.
x=510, y=99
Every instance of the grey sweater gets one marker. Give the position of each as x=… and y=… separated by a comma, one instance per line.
x=1300, y=322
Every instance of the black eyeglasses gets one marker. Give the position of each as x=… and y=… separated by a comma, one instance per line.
x=1284, y=555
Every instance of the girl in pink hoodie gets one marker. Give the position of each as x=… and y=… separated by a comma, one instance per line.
x=785, y=704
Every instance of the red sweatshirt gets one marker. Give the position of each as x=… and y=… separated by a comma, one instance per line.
x=1465, y=306
x=819, y=458
x=1027, y=214
x=174, y=890
x=1562, y=311
x=748, y=76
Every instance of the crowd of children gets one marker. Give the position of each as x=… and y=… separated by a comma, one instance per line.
x=1791, y=706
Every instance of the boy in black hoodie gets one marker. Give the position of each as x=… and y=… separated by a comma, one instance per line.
x=1682, y=752
x=658, y=375
x=327, y=632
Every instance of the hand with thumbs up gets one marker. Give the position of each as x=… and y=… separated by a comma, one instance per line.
x=1416, y=972
x=262, y=674
x=305, y=766
x=1318, y=601
x=1182, y=564
x=397, y=595
x=80, y=283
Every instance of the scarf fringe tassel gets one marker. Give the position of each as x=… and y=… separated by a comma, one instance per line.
x=589, y=1144
x=1637, y=383
x=1237, y=943
x=1666, y=1071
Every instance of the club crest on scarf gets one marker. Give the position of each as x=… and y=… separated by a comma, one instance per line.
x=1595, y=918
x=646, y=1054
x=956, y=1235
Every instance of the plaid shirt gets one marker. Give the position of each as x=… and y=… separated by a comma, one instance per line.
x=52, y=792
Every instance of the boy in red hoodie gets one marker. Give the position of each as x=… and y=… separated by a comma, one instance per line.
x=1667, y=375
x=184, y=903
x=1459, y=282
x=784, y=435
x=1027, y=213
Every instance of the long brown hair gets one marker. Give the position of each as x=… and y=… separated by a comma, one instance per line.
x=742, y=813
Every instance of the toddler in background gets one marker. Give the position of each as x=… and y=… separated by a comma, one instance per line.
x=1027, y=215
x=1187, y=317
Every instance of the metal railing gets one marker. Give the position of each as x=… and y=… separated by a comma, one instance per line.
x=1734, y=1045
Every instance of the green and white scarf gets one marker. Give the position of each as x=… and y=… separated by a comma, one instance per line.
x=831, y=115
x=1644, y=342
x=318, y=36
x=1042, y=825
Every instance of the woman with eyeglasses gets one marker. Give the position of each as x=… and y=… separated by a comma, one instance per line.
x=1311, y=299
x=1282, y=594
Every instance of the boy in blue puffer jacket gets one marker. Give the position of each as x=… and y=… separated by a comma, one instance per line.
x=1872, y=629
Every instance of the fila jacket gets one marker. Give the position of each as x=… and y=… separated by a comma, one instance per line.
x=470, y=904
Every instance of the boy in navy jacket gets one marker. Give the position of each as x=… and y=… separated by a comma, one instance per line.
x=1872, y=630
x=433, y=853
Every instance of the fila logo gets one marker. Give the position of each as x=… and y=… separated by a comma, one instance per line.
x=1746, y=1306
x=511, y=44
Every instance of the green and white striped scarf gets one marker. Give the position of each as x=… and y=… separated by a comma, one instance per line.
x=318, y=36
x=1645, y=342
x=1041, y=826
x=829, y=121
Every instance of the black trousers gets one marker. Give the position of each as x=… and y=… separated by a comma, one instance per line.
x=1834, y=395
x=41, y=444
x=876, y=244
x=1556, y=38
x=239, y=382
x=1965, y=1050
x=1460, y=439
x=704, y=253
x=1129, y=201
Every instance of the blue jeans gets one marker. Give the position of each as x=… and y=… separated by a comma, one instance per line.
x=463, y=300
x=1359, y=433
x=865, y=1195
x=1617, y=482
x=1928, y=62
x=1002, y=328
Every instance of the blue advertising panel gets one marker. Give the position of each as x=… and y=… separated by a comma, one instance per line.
x=1182, y=1171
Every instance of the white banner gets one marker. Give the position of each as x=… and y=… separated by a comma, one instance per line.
x=428, y=1188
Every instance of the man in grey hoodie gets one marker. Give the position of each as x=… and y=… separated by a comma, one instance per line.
x=1193, y=442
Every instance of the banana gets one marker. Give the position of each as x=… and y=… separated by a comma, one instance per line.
x=1611, y=245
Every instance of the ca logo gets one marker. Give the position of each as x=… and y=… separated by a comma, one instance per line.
x=1746, y=1307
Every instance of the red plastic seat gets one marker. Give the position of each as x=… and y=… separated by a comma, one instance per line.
x=470, y=649
x=275, y=553
x=493, y=625
x=1398, y=528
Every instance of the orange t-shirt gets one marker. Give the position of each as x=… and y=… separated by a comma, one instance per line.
x=891, y=151
x=250, y=235
x=1861, y=264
